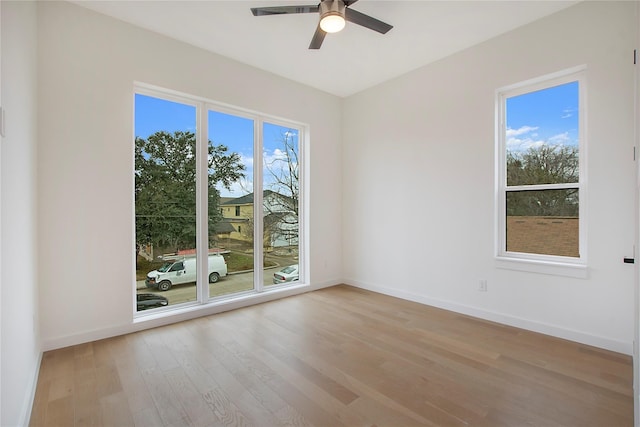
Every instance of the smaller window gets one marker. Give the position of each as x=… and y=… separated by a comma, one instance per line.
x=540, y=178
x=237, y=210
x=239, y=229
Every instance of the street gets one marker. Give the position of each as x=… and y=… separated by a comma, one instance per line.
x=232, y=283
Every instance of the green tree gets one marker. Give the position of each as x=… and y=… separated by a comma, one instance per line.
x=543, y=165
x=165, y=187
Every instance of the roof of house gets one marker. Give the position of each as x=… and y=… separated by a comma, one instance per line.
x=223, y=227
x=247, y=199
x=224, y=200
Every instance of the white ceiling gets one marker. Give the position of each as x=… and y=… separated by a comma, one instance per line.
x=348, y=62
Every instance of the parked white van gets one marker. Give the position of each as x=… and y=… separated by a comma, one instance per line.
x=183, y=270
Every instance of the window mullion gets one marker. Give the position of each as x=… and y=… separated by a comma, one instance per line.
x=258, y=209
x=501, y=176
x=558, y=186
x=202, y=205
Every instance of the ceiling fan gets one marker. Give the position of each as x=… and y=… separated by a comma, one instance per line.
x=333, y=14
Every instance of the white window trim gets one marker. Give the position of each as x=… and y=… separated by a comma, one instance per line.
x=536, y=263
x=203, y=106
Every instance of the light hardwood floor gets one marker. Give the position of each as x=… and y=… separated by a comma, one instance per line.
x=336, y=357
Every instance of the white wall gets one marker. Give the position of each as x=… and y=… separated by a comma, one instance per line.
x=87, y=65
x=1, y=139
x=20, y=337
x=636, y=297
x=418, y=180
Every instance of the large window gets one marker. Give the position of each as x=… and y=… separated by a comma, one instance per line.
x=217, y=201
x=541, y=186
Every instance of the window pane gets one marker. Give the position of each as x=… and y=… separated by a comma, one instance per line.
x=231, y=219
x=542, y=141
x=165, y=201
x=281, y=204
x=543, y=222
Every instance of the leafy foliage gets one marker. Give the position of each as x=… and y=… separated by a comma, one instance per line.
x=543, y=165
x=165, y=187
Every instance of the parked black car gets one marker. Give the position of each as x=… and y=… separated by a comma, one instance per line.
x=146, y=301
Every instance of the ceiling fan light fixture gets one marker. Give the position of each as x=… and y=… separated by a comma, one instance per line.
x=332, y=16
x=331, y=23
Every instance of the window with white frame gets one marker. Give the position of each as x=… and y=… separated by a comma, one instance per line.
x=541, y=170
x=206, y=178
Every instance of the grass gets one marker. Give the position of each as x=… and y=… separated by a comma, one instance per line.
x=235, y=262
x=241, y=262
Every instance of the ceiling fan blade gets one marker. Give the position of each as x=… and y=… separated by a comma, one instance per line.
x=282, y=10
x=318, y=38
x=367, y=21
x=348, y=3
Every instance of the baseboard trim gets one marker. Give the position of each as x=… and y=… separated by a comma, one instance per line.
x=187, y=313
x=194, y=312
x=518, y=322
x=30, y=396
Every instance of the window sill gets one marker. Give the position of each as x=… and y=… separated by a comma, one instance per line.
x=216, y=305
x=579, y=271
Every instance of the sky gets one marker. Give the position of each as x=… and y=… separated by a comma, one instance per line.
x=153, y=115
x=545, y=117
x=548, y=116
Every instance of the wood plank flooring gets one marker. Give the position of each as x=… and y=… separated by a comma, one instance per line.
x=335, y=357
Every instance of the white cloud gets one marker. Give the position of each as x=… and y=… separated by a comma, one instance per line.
x=237, y=189
x=520, y=131
x=277, y=154
x=566, y=113
x=524, y=144
x=246, y=161
x=519, y=145
x=523, y=138
x=560, y=139
x=277, y=162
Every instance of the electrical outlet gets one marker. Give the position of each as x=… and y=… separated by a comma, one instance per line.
x=483, y=286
